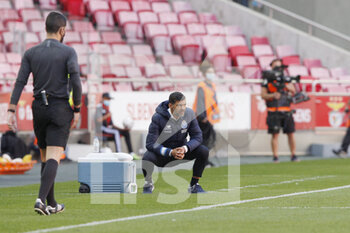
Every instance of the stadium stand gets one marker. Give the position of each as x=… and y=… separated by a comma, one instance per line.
x=150, y=39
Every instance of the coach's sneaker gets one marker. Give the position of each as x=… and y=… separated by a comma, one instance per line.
x=294, y=158
x=196, y=188
x=148, y=187
x=55, y=210
x=275, y=159
x=340, y=153
x=41, y=208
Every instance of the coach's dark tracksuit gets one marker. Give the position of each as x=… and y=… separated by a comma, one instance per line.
x=166, y=133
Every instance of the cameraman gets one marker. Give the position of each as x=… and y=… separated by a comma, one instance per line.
x=277, y=93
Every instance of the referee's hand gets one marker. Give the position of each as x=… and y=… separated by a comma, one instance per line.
x=11, y=121
x=75, y=119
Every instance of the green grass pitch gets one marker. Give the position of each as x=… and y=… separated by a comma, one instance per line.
x=310, y=212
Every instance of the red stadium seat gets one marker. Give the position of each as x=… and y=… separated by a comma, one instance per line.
x=139, y=6
x=285, y=51
x=101, y=48
x=265, y=61
x=295, y=60
x=294, y=70
x=72, y=37
x=91, y=37
x=158, y=7
x=245, y=61
x=142, y=50
x=157, y=34
x=75, y=7
x=120, y=60
x=133, y=72
x=196, y=29
x=14, y=58
x=210, y=41
x=239, y=50
x=37, y=25
x=168, y=17
x=155, y=70
x=233, y=30
x=309, y=63
x=207, y=17
x=83, y=26
x=119, y=6
x=17, y=26
x=171, y=59
x=23, y=4
x=112, y=38
x=148, y=17
x=262, y=50
x=188, y=17
x=122, y=49
x=81, y=48
x=188, y=48
x=182, y=6
x=48, y=4
x=320, y=72
x=219, y=57
x=9, y=15
x=131, y=26
x=251, y=72
x=176, y=30
x=153, y=30
x=30, y=14
x=232, y=41
x=255, y=40
x=5, y=4
x=338, y=72
x=3, y=58
x=101, y=14
x=215, y=29
x=143, y=60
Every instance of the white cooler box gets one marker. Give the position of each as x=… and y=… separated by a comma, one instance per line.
x=107, y=172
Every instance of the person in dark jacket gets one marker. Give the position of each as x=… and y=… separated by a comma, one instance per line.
x=167, y=141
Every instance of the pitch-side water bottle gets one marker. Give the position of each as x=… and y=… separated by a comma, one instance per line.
x=96, y=145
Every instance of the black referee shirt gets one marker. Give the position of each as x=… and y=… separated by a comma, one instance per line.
x=50, y=62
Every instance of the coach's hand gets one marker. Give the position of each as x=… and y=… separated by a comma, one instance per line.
x=178, y=153
x=75, y=119
x=12, y=121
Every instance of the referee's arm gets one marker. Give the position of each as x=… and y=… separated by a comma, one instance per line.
x=73, y=71
x=21, y=81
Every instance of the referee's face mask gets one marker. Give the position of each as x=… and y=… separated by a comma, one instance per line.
x=62, y=32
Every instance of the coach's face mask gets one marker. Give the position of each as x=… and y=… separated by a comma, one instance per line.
x=106, y=102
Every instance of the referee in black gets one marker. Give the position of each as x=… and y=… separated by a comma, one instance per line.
x=55, y=69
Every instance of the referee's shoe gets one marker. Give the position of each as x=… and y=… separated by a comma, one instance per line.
x=41, y=208
x=57, y=209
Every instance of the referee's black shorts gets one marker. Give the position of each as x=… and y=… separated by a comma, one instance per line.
x=280, y=120
x=52, y=123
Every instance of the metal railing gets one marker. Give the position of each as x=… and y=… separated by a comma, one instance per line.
x=310, y=24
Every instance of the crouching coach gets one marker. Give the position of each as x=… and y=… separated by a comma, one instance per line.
x=167, y=141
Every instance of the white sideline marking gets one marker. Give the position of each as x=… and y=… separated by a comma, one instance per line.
x=282, y=182
x=95, y=223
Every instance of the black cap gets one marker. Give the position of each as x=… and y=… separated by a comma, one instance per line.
x=106, y=96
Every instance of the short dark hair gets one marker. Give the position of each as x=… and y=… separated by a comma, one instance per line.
x=275, y=60
x=175, y=97
x=54, y=21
